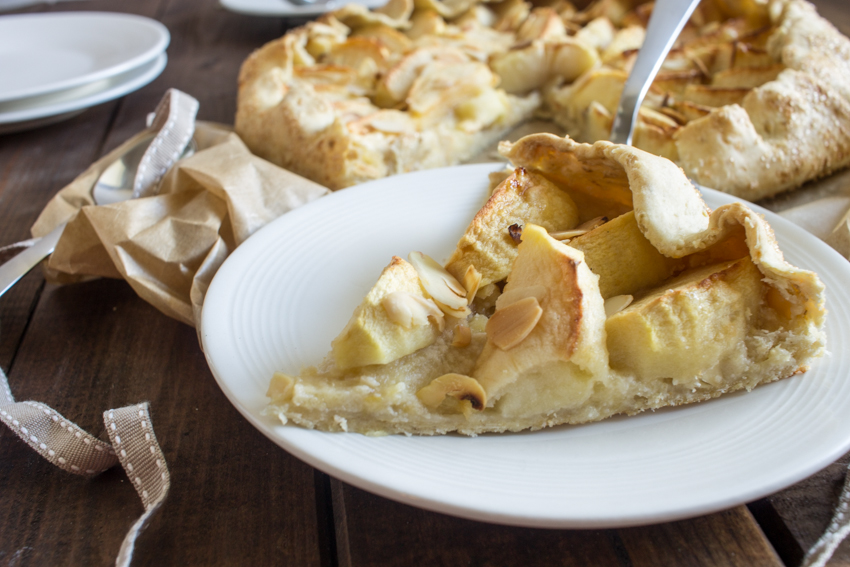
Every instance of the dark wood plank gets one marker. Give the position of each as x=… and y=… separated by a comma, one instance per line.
x=383, y=533
x=235, y=496
x=806, y=508
x=380, y=532
x=33, y=167
x=730, y=538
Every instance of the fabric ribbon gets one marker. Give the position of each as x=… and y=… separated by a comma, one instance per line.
x=63, y=443
x=130, y=430
x=174, y=123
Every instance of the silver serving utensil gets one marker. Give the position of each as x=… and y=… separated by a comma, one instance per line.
x=114, y=185
x=308, y=2
x=667, y=20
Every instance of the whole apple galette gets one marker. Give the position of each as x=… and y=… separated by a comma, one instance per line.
x=754, y=98
x=593, y=282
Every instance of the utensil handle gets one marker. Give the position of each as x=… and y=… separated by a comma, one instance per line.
x=18, y=266
x=667, y=20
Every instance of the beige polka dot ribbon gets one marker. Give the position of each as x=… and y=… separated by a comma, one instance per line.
x=132, y=440
x=174, y=123
x=63, y=443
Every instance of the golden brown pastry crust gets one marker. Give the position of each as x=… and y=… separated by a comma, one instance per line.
x=786, y=131
x=322, y=100
x=755, y=100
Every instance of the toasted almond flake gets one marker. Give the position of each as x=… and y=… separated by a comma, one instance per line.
x=539, y=292
x=592, y=223
x=509, y=326
x=455, y=385
x=470, y=281
x=567, y=234
x=617, y=303
x=410, y=310
x=462, y=335
x=438, y=283
x=451, y=312
x=583, y=228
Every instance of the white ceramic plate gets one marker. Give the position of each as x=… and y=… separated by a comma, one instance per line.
x=286, y=8
x=17, y=116
x=46, y=53
x=281, y=297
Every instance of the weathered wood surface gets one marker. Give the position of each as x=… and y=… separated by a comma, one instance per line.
x=236, y=498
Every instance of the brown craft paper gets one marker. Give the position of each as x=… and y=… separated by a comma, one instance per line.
x=169, y=246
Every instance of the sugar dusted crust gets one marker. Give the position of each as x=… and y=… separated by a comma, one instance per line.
x=754, y=99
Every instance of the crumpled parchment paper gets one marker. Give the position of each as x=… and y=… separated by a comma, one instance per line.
x=169, y=246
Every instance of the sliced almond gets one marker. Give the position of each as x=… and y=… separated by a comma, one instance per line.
x=452, y=312
x=470, y=281
x=462, y=335
x=567, y=234
x=592, y=223
x=438, y=283
x=454, y=385
x=617, y=303
x=514, y=294
x=509, y=326
x=583, y=228
x=410, y=310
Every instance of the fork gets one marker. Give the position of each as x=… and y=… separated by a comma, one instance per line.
x=667, y=20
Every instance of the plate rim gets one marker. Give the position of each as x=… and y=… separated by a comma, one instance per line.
x=118, y=86
x=514, y=519
x=163, y=39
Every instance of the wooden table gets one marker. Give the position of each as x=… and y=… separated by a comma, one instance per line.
x=236, y=498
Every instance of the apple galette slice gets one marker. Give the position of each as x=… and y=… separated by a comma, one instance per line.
x=546, y=315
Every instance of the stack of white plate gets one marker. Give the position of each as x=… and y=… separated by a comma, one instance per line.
x=54, y=66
